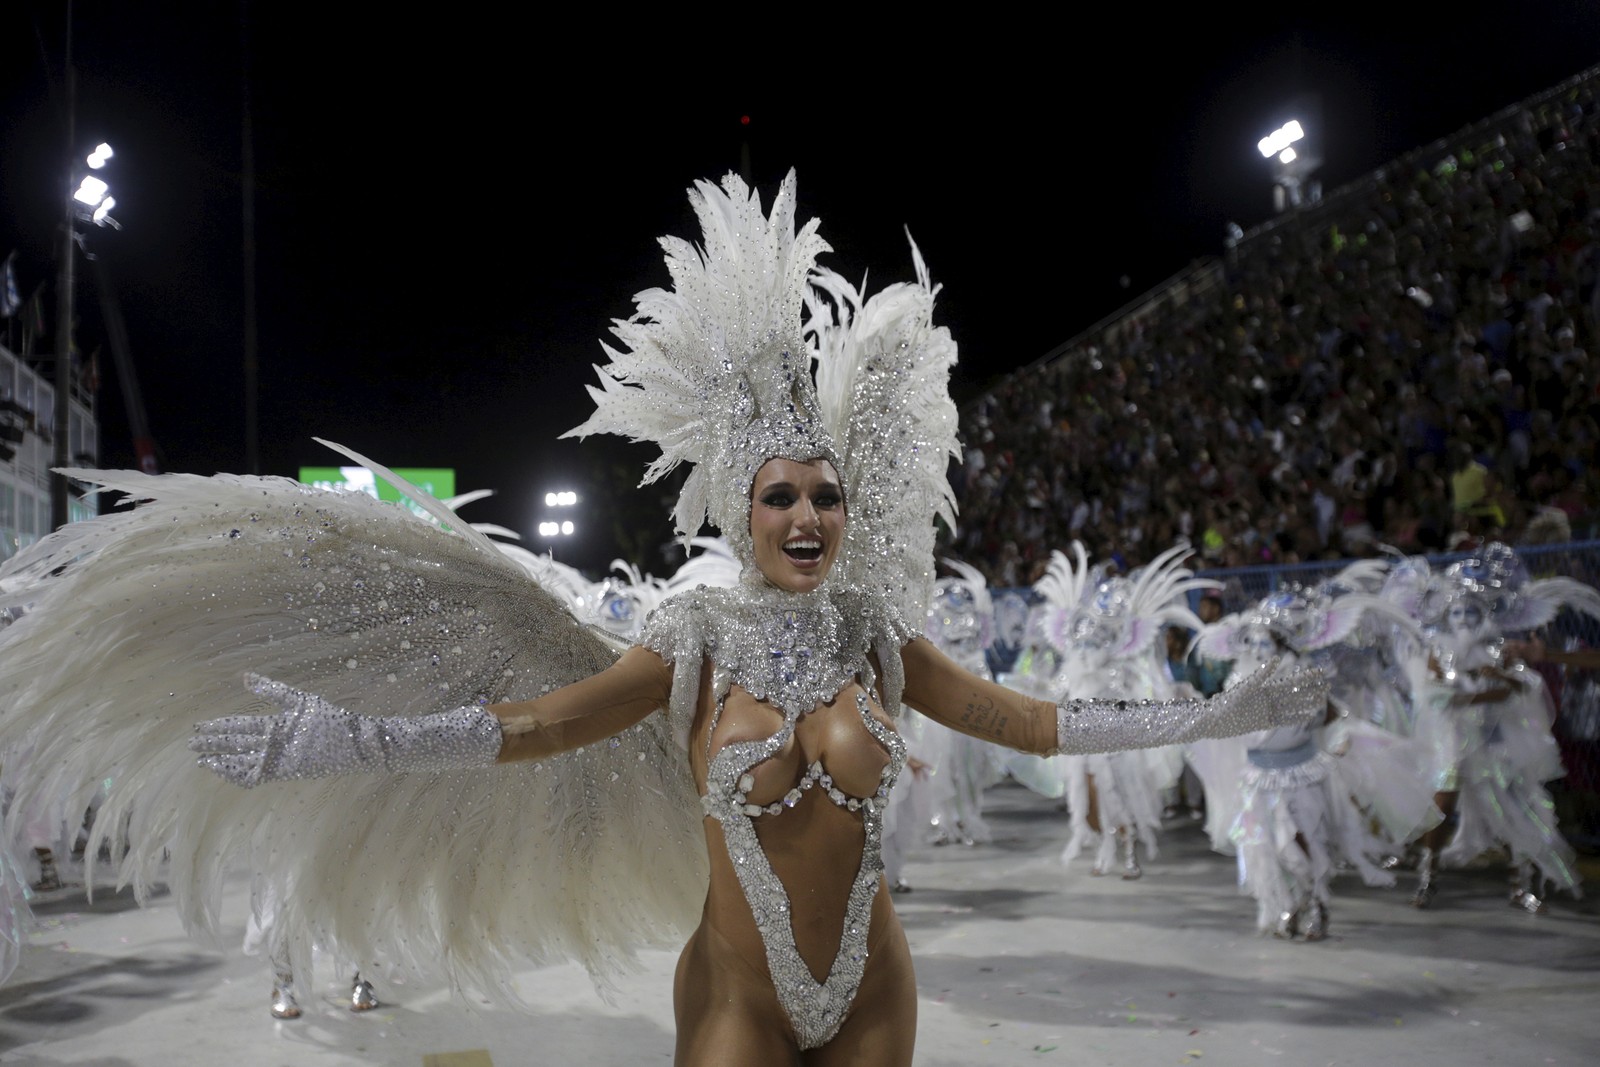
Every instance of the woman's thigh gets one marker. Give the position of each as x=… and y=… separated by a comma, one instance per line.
x=726, y=1010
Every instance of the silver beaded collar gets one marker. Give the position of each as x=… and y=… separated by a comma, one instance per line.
x=791, y=650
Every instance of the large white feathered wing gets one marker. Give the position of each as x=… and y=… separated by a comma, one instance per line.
x=132, y=627
x=883, y=383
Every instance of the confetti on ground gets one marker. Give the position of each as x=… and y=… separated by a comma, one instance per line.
x=1052, y=1048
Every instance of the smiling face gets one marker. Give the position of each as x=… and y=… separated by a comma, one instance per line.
x=796, y=522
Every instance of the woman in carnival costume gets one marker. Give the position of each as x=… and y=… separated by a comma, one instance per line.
x=534, y=790
x=1109, y=635
x=960, y=623
x=1294, y=802
x=938, y=798
x=1486, y=719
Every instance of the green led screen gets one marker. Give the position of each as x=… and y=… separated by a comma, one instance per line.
x=439, y=482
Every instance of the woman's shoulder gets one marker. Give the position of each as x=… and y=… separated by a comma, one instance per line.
x=678, y=628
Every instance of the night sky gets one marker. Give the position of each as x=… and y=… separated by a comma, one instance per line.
x=450, y=213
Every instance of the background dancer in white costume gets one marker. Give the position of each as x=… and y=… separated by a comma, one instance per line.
x=959, y=767
x=1486, y=720
x=1294, y=803
x=1109, y=634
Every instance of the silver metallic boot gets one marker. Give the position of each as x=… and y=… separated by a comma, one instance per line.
x=1314, y=921
x=1426, y=889
x=362, y=996
x=284, y=1003
x=1130, y=858
x=1525, y=895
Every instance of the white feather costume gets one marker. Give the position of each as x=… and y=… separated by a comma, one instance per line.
x=1294, y=803
x=142, y=623
x=1498, y=755
x=1108, y=635
x=960, y=621
x=16, y=918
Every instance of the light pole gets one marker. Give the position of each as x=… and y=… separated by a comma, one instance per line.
x=59, y=512
x=90, y=200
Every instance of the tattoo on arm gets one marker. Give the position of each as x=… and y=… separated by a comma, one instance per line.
x=984, y=718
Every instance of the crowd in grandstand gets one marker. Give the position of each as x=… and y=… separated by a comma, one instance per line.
x=1404, y=363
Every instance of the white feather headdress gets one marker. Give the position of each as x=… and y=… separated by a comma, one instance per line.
x=715, y=371
x=1125, y=615
x=718, y=373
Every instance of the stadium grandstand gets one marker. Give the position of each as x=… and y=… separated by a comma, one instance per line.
x=1400, y=366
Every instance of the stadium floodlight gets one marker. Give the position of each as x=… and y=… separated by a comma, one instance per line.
x=91, y=191
x=564, y=499
x=1278, y=141
x=94, y=193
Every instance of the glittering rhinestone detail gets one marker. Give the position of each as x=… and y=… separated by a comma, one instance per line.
x=816, y=1009
x=1269, y=698
x=791, y=650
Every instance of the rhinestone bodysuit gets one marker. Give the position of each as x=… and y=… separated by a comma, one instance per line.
x=794, y=652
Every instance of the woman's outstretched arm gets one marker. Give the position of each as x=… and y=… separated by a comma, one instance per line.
x=312, y=738
x=584, y=712
x=945, y=692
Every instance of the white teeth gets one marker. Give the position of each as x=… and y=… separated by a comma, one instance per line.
x=802, y=544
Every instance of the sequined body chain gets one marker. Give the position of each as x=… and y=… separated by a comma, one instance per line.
x=792, y=652
x=816, y=1009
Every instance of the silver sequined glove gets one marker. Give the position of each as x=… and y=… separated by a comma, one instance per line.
x=311, y=738
x=1269, y=698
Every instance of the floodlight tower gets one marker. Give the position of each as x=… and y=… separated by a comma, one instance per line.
x=1293, y=155
x=89, y=200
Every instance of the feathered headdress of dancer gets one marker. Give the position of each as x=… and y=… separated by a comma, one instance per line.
x=619, y=602
x=1305, y=619
x=1120, y=615
x=883, y=383
x=718, y=373
x=961, y=610
x=715, y=566
x=1498, y=580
